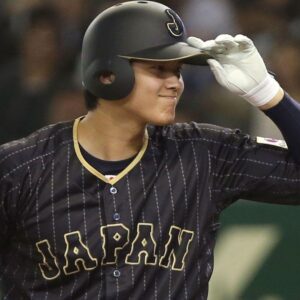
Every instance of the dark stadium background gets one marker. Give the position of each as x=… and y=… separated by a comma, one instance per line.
x=257, y=254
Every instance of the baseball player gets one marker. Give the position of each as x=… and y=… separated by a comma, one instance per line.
x=122, y=203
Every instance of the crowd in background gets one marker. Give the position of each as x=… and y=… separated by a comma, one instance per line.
x=40, y=59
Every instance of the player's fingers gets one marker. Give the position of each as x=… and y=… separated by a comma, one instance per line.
x=226, y=40
x=218, y=71
x=209, y=45
x=195, y=42
x=243, y=41
x=223, y=37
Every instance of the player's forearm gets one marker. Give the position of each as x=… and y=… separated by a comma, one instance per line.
x=274, y=101
x=286, y=115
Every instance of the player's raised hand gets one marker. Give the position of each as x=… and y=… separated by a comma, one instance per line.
x=238, y=66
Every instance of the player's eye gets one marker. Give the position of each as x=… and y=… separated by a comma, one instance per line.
x=158, y=68
x=178, y=71
x=163, y=70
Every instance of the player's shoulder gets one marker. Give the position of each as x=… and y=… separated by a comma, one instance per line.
x=41, y=143
x=190, y=131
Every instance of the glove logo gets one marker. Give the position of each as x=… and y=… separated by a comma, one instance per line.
x=175, y=27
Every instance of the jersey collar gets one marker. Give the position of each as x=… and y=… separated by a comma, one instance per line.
x=95, y=172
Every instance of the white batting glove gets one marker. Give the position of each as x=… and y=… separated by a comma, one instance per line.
x=238, y=66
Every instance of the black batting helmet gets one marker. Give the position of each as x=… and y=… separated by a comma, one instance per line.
x=141, y=30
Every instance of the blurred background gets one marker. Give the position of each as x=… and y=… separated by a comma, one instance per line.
x=40, y=84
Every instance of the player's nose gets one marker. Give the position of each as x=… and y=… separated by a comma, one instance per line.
x=174, y=81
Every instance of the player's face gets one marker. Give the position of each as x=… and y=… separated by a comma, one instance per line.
x=158, y=87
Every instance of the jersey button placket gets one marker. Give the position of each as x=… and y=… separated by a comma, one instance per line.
x=116, y=216
x=113, y=190
x=116, y=273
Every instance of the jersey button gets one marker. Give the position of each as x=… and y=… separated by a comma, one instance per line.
x=116, y=216
x=113, y=190
x=117, y=273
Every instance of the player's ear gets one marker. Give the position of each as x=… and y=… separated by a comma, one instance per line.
x=107, y=78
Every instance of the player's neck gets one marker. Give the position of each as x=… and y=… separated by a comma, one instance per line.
x=108, y=138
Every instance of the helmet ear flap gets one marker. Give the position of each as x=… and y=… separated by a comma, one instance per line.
x=121, y=85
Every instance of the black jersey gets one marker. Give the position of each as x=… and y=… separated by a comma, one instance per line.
x=69, y=232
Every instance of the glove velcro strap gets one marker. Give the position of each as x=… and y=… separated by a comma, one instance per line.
x=264, y=92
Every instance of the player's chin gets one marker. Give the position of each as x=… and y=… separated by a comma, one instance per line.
x=164, y=119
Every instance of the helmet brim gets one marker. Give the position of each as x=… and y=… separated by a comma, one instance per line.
x=179, y=51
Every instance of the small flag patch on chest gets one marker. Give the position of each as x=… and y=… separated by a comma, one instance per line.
x=271, y=141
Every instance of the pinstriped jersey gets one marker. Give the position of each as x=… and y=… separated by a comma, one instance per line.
x=68, y=232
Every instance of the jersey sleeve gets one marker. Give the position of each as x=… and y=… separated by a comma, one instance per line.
x=286, y=116
x=256, y=169
x=9, y=193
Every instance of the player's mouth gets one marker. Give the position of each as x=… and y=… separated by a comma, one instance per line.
x=170, y=97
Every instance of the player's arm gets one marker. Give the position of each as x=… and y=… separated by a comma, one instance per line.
x=286, y=115
x=10, y=191
x=274, y=101
x=249, y=168
x=238, y=67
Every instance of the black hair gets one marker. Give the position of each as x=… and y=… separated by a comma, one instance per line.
x=91, y=101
